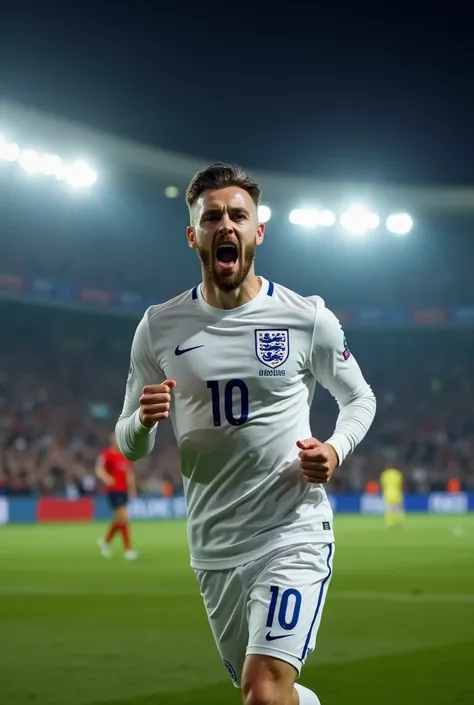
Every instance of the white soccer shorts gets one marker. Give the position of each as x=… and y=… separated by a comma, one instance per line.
x=270, y=606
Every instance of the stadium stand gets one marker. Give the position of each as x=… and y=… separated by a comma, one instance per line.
x=62, y=377
x=98, y=259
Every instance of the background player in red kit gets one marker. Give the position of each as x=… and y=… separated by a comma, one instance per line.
x=116, y=472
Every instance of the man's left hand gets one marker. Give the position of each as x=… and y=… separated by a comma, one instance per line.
x=317, y=460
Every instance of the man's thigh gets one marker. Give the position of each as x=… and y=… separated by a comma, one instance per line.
x=286, y=602
x=225, y=600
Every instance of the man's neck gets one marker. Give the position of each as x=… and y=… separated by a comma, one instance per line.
x=231, y=299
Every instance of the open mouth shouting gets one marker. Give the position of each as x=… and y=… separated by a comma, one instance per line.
x=227, y=256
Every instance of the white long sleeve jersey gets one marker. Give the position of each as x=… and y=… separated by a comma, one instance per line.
x=245, y=379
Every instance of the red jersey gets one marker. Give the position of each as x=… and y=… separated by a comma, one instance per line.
x=118, y=467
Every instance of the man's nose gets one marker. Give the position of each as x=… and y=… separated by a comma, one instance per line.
x=226, y=225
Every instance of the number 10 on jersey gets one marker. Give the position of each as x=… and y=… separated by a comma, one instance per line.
x=233, y=391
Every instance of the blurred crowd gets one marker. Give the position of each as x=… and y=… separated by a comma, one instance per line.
x=424, y=424
x=61, y=384
x=62, y=377
x=52, y=430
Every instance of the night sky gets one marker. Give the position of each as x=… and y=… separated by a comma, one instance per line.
x=361, y=91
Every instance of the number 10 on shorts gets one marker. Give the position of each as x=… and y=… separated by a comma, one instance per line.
x=290, y=606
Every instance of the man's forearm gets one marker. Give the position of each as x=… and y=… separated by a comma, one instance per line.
x=134, y=440
x=353, y=422
x=132, y=484
x=104, y=476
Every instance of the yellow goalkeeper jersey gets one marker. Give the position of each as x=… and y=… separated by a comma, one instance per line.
x=391, y=481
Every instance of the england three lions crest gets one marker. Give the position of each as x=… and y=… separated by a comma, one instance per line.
x=272, y=346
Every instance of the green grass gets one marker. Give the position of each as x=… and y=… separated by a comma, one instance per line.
x=78, y=630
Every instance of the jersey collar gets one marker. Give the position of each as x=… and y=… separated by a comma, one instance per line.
x=266, y=289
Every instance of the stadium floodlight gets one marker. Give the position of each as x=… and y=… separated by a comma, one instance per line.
x=328, y=218
x=9, y=151
x=52, y=165
x=171, y=192
x=399, y=223
x=358, y=220
x=30, y=161
x=264, y=214
x=80, y=175
x=312, y=218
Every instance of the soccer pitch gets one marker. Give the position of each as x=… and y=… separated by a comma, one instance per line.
x=398, y=626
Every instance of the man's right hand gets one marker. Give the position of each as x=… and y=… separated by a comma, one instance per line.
x=155, y=402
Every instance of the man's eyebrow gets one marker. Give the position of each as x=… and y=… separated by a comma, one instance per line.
x=218, y=209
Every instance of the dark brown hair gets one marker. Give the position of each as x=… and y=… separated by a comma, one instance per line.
x=221, y=175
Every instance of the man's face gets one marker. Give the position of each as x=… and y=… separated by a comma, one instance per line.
x=225, y=232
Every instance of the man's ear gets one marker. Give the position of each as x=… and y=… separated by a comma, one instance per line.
x=191, y=235
x=260, y=234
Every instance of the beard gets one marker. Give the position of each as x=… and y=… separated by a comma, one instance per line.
x=232, y=279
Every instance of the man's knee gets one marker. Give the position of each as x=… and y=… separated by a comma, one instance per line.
x=121, y=516
x=267, y=681
x=262, y=693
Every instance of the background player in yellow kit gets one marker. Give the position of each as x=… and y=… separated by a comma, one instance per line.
x=391, y=482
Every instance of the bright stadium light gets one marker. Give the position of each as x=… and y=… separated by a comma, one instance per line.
x=9, y=151
x=399, y=223
x=306, y=217
x=328, y=218
x=80, y=175
x=30, y=161
x=264, y=214
x=312, y=217
x=51, y=164
x=171, y=192
x=358, y=220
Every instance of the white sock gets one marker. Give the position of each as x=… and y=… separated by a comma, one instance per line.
x=306, y=696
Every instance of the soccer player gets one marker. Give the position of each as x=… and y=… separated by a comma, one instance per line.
x=391, y=482
x=116, y=472
x=235, y=362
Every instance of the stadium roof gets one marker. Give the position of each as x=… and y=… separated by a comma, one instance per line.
x=44, y=131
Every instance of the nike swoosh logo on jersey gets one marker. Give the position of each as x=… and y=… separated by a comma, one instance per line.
x=269, y=636
x=185, y=350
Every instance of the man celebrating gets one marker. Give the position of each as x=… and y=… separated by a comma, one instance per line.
x=235, y=362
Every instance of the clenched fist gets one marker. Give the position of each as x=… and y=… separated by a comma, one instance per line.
x=317, y=460
x=155, y=402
